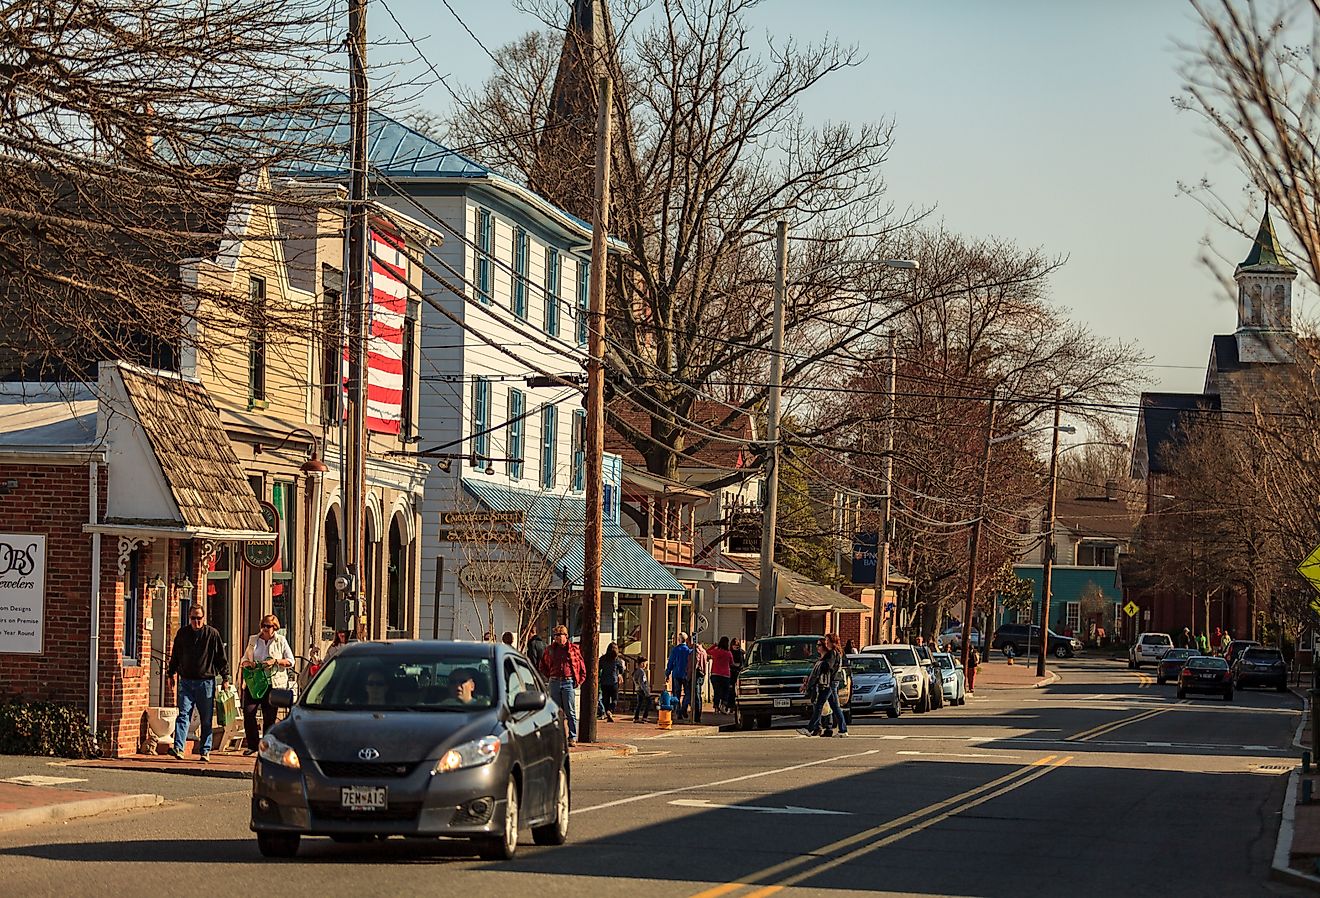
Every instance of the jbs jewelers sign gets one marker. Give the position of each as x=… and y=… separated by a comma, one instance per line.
x=22, y=592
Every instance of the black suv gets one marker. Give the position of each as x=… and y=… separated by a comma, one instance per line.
x=1025, y=639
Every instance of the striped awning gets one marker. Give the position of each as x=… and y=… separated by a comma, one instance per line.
x=553, y=526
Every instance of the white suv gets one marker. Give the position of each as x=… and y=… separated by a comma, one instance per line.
x=1148, y=649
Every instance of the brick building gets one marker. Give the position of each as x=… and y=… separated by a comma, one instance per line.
x=1240, y=366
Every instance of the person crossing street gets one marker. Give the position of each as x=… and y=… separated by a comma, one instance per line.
x=197, y=657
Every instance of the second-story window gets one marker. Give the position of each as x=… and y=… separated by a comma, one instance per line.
x=485, y=254
x=257, y=341
x=549, y=442
x=520, y=273
x=332, y=357
x=480, y=421
x=583, y=292
x=552, y=282
x=579, y=449
x=517, y=407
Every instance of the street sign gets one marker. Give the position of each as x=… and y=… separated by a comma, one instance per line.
x=471, y=535
x=1131, y=608
x=481, y=518
x=700, y=625
x=1310, y=568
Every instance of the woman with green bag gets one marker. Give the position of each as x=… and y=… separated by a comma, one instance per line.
x=266, y=665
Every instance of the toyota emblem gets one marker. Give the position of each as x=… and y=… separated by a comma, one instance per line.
x=368, y=754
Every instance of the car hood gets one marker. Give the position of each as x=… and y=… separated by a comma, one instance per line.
x=871, y=679
x=396, y=735
x=783, y=669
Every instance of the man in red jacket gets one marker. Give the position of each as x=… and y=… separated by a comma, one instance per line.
x=562, y=666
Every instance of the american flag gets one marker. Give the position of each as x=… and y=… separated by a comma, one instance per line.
x=387, y=312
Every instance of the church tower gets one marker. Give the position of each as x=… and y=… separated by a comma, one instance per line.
x=1264, y=303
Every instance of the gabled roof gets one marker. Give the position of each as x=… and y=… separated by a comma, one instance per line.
x=1265, y=250
x=183, y=427
x=1158, y=420
x=1097, y=517
x=797, y=590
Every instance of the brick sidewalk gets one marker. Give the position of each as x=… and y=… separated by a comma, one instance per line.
x=22, y=806
x=1002, y=675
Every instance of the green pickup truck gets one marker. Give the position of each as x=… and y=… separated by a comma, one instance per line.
x=771, y=684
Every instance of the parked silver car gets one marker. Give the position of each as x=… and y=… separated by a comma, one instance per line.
x=952, y=678
x=874, y=686
x=415, y=739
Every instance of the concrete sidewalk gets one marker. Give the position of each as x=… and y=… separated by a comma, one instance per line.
x=24, y=805
x=1297, y=850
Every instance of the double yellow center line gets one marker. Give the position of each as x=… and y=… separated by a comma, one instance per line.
x=795, y=870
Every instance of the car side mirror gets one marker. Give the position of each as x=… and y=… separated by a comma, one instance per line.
x=532, y=700
x=281, y=698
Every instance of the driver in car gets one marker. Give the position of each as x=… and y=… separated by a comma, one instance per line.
x=462, y=686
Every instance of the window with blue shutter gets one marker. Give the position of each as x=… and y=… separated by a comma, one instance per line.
x=548, y=443
x=583, y=290
x=520, y=273
x=517, y=406
x=552, y=284
x=579, y=449
x=480, y=420
x=485, y=249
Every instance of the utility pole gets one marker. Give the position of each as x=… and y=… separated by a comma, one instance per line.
x=354, y=482
x=882, y=534
x=976, y=532
x=595, y=443
x=765, y=600
x=1047, y=567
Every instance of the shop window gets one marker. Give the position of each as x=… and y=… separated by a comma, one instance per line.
x=133, y=593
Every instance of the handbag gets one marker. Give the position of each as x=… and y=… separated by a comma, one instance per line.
x=257, y=681
x=227, y=707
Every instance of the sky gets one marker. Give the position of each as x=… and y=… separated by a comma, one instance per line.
x=1051, y=124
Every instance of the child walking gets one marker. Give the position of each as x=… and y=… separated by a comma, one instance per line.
x=642, y=684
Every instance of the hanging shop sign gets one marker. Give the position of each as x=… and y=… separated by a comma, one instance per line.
x=263, y=555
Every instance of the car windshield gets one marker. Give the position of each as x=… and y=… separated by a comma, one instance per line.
x=869, y=664
x=899, y=656
x=783, y=651
x=944, y=661
x=1178, y=654
x=1259, y=655
x=1205, y=662
x=425, y=681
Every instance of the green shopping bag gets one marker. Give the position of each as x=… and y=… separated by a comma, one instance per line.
x=226, y=707
x=257, y=681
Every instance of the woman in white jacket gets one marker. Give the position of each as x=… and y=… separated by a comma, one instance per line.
x=270, y=653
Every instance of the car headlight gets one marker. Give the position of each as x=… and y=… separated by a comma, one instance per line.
x=909, y=678
x=470, y=754
x=275, y=751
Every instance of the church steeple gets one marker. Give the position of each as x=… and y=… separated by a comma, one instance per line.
x=1265, y=330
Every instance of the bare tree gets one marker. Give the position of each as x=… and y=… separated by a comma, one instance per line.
x=128, y=131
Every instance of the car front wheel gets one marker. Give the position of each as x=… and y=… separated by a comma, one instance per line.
x=505, y=845
x=745, y=721
x=556, y=831
x=1061, y=651
x=278, y=844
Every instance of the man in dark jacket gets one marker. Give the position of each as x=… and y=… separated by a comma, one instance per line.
x=535, y=650
x=196, y=659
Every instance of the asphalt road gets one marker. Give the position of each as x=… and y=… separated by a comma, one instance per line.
x=1103, y=784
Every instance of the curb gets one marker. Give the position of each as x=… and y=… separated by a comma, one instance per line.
x=1279, y=868
x=214, y=772
x=686, y=731
x=611, y=750
x=70, y=810
x=1050, y=680
x=1301, y=724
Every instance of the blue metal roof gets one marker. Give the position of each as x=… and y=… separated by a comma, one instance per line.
x=553, y=526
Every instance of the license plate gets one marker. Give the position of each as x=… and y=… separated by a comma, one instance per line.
x=782, y=703
x=1209, y=677
x=363, y=798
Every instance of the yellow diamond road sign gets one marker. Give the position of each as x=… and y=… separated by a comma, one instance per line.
x=1131, y=609
x=1310, y=568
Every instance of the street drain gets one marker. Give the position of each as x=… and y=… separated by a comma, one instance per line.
x=1271, y=768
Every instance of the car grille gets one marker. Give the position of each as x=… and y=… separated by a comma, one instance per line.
x=775, y=685
x=397, y=811
x=341, y=770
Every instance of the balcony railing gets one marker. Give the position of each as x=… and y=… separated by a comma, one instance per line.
x=671, y=551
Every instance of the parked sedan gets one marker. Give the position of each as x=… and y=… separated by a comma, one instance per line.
x=415, y=739
x=913, y=684
x=1261, y=667
x=1170, y=666
x=874, y=685
x=1206, y=673
x=952, y=678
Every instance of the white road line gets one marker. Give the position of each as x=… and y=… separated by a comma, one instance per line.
x=737, y=779
x=950, y=754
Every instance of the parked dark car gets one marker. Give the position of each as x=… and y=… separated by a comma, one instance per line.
x=1171, y=664
x=1257, y=666
x=1236, y=647
x=1024, y=639
x=415, y=739
x=1206, y=673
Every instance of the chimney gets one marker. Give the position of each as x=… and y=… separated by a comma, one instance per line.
x=1111, y=490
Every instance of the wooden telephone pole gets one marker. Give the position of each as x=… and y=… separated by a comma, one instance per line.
x=595, y=443
x=765, y=600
